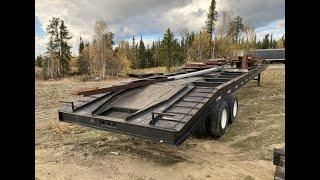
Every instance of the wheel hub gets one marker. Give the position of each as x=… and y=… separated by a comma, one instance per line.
x=224, y=118
x=235, y=108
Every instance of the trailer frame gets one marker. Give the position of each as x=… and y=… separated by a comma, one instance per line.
x=203, y=93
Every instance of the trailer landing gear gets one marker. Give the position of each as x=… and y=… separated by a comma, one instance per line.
x=258, y=79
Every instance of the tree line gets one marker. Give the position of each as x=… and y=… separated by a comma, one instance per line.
x=56, y=61
x=100, y=58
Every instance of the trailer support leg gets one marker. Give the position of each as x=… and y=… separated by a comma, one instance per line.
x=258, y=79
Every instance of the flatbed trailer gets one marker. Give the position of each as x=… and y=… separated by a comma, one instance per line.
x=167, y=110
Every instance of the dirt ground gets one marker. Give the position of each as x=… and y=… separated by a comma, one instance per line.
x=65, y=151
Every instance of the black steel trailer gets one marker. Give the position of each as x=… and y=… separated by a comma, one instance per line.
x=165, y=108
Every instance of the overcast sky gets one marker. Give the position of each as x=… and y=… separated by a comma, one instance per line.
x=150, y=18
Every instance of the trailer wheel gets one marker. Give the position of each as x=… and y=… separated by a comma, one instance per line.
x=219, y=120
x=201, y=131
x=233, y=107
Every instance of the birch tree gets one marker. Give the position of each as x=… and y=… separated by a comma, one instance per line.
x=101, y=49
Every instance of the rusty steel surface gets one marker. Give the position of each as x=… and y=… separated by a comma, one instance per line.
x=144, y=82
x=241, y=62
x=131, y=85
x=79, y=91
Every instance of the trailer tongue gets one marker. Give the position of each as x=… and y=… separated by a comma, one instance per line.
x=166, y=108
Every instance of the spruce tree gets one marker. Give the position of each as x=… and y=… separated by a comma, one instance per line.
x=265, y=42
x=142, y=54
x=153, y=51
x=255, y=41
x=134, y=63
x=166, y=49
x=82, y=63
x=65, y=53
x=39, y=61
x=52, y=30
x=148, y=57
x=81, y=46
x=183, y=50
x=50, y=69
x=177, y=53
x=211, y=17
x=271, y=42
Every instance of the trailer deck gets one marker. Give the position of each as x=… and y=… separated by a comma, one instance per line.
x=158, y=108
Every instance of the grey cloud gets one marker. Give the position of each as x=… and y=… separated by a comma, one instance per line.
x=199, y=13
x=149, y=15
x=257, y=12
x=140, y=17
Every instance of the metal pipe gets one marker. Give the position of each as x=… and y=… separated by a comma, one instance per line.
x=215, y=69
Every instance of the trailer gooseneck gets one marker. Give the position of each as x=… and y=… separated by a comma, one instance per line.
x=165, y=108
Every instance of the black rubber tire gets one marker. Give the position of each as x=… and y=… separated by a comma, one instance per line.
x=230, y=101
x=202, y=131
x=215, y=128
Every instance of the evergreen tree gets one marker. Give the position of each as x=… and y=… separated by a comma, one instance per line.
x=265, y=42
x=133, y=54
x=271, y=42
x=211, y=18
x=148, y=57
x=137, y=55
x=52, y=67
x=166, y=49
x=65, y=53
x=259, y=45
x=274, y=44
x=52, y=30
x=235, y=28
x=153, y=51
x=184, y=50
x=210, y=22
x=81, y=45
x=177, y=53
x=39, y=61
x=142, y=55
x=190, y=38
x=82, y=63
x=255, y=41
